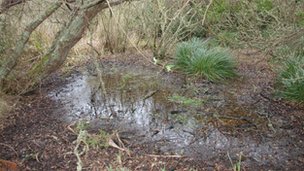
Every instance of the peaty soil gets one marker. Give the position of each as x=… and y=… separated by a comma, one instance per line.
x=36, y=137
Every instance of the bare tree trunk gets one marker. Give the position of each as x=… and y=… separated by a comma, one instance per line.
x=6, y=4
x=83, y=13
x=11, y=62
x=67, y=38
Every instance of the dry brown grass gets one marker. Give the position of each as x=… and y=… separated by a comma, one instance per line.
x=158, y=25
x=6, y=105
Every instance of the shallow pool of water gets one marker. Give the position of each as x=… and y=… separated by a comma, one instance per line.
x=139, y=106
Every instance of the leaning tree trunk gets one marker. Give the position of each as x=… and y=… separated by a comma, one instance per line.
x=64, y=41
x=9, y=64
x=6, y=4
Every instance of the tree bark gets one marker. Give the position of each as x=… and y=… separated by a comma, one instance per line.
x=66, y=39
x=6, y=4
x=10, y=63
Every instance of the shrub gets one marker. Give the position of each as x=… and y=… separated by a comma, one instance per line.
x=291, y=79
x=194, y=57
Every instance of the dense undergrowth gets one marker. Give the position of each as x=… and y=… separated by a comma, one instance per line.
x=275, y=27
x=196, y=37
x=291, y=79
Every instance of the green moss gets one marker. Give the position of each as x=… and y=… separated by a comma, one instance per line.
x=37, y=40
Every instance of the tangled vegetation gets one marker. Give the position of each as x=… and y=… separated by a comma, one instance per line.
x=40, y=37
x=291, y=79
x=194, y=57
x=274, y=27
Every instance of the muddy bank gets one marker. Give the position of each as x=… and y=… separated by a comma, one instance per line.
x=201, y=125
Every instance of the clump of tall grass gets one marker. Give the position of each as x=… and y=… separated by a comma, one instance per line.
x=194, y=57
x=291, y=79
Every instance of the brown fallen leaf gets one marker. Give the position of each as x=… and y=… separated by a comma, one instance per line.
x=8, y=166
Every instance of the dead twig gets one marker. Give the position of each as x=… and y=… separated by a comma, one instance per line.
x=71, y=129
x=165, y=156
x=78, y=152
x=114, y=145
x=10, y=148
x=150, y=94
x=206, y=11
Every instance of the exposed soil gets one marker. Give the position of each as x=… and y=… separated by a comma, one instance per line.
x=141, y=110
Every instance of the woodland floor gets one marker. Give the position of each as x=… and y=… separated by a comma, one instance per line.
x=249, y=119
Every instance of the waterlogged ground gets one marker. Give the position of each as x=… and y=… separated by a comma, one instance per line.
x=160, y=120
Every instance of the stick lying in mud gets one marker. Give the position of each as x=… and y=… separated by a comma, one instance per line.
x=114, y=145
x=6, y=145
x=165, y=156
x=150, y=94
x=243, y=118
x=81, y=139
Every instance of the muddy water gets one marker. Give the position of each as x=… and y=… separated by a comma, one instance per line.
x=141, y=108
x=132, y=99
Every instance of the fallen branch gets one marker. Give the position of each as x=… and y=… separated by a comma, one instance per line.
x=150, y=94
x=10, y=148
x=6, y=4
x=165, y=156
x=81, y=138
x=113, y=144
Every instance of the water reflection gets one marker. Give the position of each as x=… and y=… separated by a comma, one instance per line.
x=141, y=103
x=121, y=99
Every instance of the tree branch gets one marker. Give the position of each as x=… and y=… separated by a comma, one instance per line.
x=68, y=37
x=92, y=4
x=8, y=65
x=6, y=4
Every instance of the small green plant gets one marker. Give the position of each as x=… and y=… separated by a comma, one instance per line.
x=195, y=57
x=236, y=166
x=81, y=125
x=264, y=5
x=291, y=79
x=185, y=100
x=99, y=140
x=300, y=18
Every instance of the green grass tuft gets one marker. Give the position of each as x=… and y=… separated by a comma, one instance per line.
x=291, y=79
x=194, y=57
x=186, y=101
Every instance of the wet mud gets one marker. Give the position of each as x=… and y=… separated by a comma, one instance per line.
x=239, y=121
